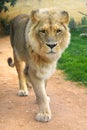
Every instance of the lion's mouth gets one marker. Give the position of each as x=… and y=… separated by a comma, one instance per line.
x=51, y=52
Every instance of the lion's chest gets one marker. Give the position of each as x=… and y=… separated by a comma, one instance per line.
x=45, y=71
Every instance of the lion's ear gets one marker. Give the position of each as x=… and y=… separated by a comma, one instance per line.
x=34, y=16
x=64, y=17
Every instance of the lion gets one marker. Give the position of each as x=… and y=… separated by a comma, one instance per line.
x=38, y=41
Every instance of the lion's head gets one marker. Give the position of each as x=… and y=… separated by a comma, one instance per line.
x=48, y=34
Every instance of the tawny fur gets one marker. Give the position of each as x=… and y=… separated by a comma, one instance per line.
x=38, y=41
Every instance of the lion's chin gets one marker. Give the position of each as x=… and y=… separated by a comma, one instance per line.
x=51, y=55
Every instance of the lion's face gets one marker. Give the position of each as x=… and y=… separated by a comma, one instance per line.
x=49, y=34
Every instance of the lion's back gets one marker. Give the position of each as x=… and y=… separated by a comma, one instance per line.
x=17, y=29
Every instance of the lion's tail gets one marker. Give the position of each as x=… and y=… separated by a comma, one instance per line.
x=10, y=62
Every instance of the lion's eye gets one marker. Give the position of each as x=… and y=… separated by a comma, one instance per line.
x=43, y=31
x=58, y=31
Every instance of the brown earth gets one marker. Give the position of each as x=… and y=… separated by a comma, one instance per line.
x=68, y=100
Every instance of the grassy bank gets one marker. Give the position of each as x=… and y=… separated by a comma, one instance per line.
x=74, y=59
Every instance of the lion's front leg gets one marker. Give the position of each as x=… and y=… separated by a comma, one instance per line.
x=44, y=113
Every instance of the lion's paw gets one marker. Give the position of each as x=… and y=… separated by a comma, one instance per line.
x=22, y=93
x=43, y=117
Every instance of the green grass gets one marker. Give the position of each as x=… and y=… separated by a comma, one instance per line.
x=74, y=59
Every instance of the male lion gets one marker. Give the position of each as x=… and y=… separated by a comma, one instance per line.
x=38, y=41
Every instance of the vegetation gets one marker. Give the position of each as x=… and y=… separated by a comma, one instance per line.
x=3, y=6
x=81, y=26
x=72, y=24
x=74, y=60
x=5, y=23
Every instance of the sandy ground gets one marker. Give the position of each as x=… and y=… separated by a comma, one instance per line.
x=68, y=100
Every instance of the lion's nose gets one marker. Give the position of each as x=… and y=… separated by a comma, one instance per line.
x=51, y=45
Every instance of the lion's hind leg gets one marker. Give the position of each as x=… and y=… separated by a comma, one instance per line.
x=26, y=69
x=23, y=91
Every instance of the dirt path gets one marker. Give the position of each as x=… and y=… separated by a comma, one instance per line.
x=68, y=101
